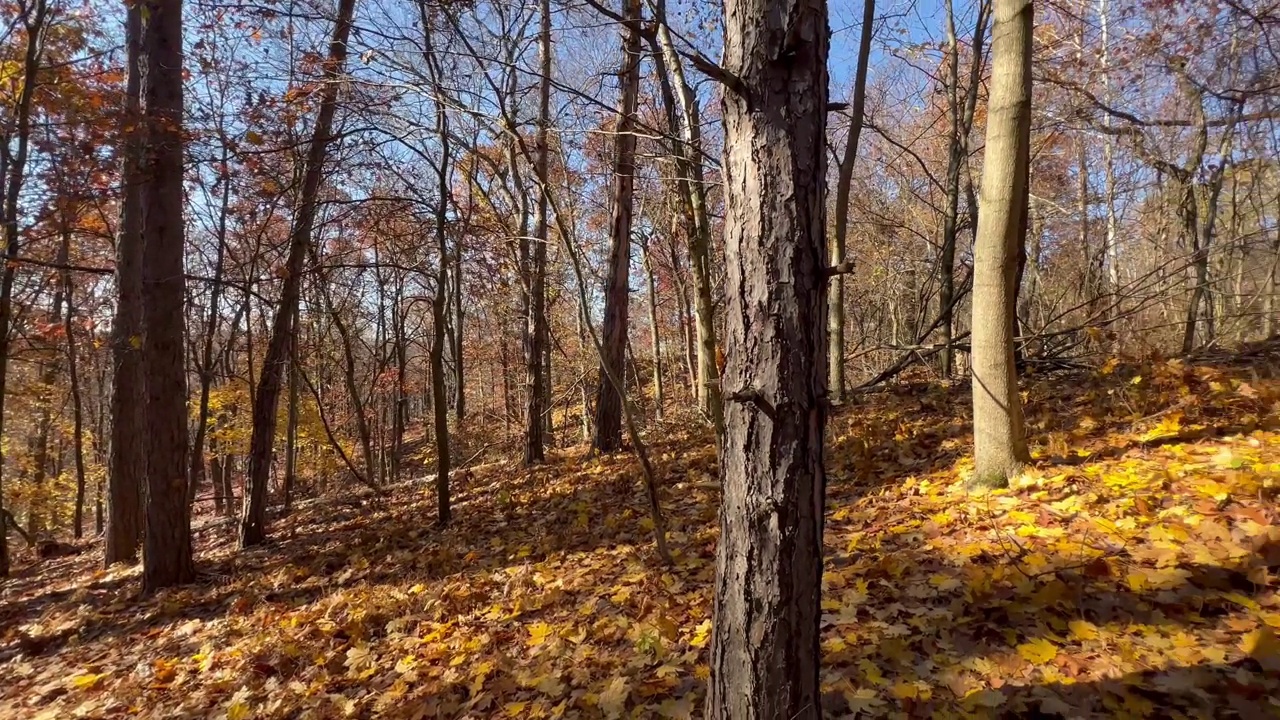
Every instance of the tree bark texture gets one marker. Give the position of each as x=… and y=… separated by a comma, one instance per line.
x=1000, y=446
x=166, y=550
x=617, y=296
x=765, y=653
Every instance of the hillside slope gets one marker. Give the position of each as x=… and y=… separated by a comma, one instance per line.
x=1130, y=573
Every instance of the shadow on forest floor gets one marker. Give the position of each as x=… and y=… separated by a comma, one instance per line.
x=1131, y=572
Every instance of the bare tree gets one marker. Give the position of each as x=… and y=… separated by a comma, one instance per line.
x=617, y=295
x=1000, y=446
x=253, y=518
x=844, y=183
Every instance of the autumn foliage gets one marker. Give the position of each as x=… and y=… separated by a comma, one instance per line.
x=1130, y=572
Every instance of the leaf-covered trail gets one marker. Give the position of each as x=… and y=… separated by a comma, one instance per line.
x=1130, y=573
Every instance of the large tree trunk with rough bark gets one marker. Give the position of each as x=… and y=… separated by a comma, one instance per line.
x=128, y=464
x=1000, y=446
x=617, y=295
x=765, y=653
x=166, y=552
x=253, y=518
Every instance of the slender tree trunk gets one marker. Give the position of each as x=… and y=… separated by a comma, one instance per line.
x=655, y=338
x=33, y=19
x=687, y=333
x=48, y=377
x=253, y=519
x=689, y=164
x=73, y=374
x=196, y=471
x=358, y=406
x=617, y=296
x=844, y=183
x=583, y=391
x=166, y=554
x=1000, y=446
x=401, y=404
x=1202, y=226
x=765, y=648
x=961, y=112
x=439, y=307
x=100, y=454
x=460, y=378
x=536, y=325
x=291, y=431
x=1272, y=326
x=1108, y=162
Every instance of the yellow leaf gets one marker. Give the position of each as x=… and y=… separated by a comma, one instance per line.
x=239, y=707
x=871, y=671
x=904, y=690
x=514, y=708
x=1242, y=601
x=701, y=634
x=612, y=702
x=361, y=663
x=1083, y=630
x=1263, y=646
x=550, y=686
x=538, y=633
x=86, y=681
x=1038, y=651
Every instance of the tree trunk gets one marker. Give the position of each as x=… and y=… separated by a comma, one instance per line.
x=166, y=554
x=253, y=518
x=655, y=338
x=459, y=316
x=961, y=124
x=690, y=175
x=49, y=372
x=16, y=163
x=536, y=324
x=127, y=473
x=291, y=432
x=1272, y=286
x=349, y=368
x=844, y=183
x=73, y=374
x=1000, y=446
x=1108, y=161
x=617, y=295
x=583, y=391
x=196, y=470
x=439, y=306
x=765, y=652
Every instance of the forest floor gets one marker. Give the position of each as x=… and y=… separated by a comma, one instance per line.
x=1131, y=572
